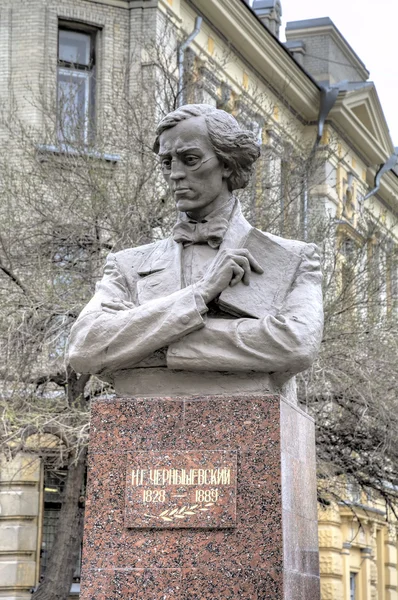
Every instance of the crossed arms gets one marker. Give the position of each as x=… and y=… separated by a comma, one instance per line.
x=114, y=332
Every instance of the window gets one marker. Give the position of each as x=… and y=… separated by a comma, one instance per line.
x=360, y=203
x=76, y=85
x=353, y=586
x=349, y=197
x=208, y=98
x=375, y=283
x=353, y=491
x=54, y=483
x=347, y=248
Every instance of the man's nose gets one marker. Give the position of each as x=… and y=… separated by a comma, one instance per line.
x=177, y=170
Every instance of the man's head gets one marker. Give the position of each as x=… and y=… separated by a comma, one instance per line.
x=205, y=155
x=237, y=148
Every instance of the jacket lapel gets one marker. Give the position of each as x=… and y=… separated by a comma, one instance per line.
x=159, y=274
x=237, y=230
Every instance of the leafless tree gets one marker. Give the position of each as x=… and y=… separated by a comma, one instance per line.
x=352, y=388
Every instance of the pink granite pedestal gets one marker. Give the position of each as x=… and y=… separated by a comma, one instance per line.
x=262, y=542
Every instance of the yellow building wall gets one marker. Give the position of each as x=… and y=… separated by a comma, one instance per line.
x=356, y=543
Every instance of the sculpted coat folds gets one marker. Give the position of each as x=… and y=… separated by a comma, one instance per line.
x=158, y=306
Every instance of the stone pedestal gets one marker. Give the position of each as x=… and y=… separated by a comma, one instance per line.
x=201, y=498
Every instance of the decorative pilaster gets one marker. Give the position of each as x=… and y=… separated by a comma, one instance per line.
x=366, y=560
x=330, y=548
x=390, y=563
x=345, y=553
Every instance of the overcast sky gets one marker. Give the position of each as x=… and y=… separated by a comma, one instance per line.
x=371, y=29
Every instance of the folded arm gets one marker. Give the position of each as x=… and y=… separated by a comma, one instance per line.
x=105, y=340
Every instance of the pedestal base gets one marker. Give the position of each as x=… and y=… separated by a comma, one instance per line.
x=255, y=539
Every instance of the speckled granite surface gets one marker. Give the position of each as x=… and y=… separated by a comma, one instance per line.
x=270, y=550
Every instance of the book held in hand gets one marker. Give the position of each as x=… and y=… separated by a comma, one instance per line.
x=266, y=292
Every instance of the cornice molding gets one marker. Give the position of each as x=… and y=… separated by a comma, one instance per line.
x=370, y=99
x=126, y=4
x=345, y=227
x=359, y=135
x=264, y=52
x=370, y=151
x=388, y=192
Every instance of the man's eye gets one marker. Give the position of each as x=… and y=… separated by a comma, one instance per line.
x=191, y=160
x=166, y=164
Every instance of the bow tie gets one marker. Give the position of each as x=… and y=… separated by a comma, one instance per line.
x=192, y=232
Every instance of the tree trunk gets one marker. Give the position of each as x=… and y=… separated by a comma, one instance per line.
x=65, y=551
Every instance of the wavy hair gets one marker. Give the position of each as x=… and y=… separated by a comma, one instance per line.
x=234, y=147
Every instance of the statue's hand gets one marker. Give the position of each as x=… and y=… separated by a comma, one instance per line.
x=228, y=268
x=114, y=305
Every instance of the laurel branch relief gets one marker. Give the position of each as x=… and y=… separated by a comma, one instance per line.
x=172, y=514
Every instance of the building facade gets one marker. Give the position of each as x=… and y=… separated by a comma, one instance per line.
x=307, y=98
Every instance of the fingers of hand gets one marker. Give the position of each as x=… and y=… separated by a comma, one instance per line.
x=238, y=274
x=113, y=306
x=128, y=304
x=244, y=263
x=254, y=265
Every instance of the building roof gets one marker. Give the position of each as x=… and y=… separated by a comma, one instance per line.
x=325, y=23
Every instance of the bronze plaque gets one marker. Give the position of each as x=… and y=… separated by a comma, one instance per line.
x=181, y=489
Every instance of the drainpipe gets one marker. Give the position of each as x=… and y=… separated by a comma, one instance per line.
x=305, y=208
x=184, y=45
x=391, y=163
x=328, y=99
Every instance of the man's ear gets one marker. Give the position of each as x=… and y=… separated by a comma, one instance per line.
x=226, y=171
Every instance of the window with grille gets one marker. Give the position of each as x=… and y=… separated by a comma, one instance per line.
x=76, y=84
x=54, y=483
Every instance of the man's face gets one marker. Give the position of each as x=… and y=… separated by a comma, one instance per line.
x=197, y=180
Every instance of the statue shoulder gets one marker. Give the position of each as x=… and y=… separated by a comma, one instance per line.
x=296, y=246
x=137, y=251
x=135, y=258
